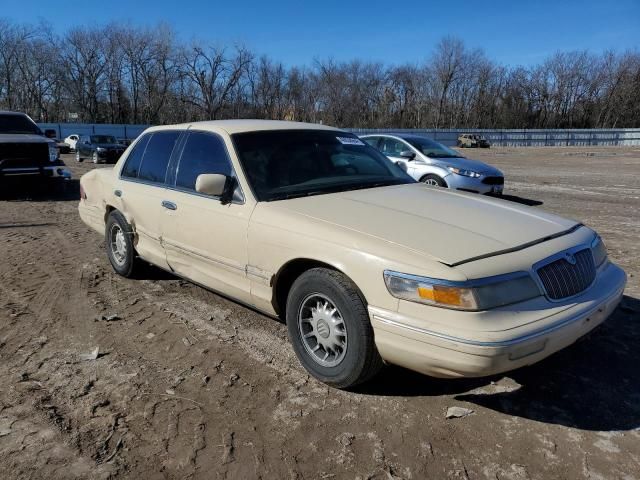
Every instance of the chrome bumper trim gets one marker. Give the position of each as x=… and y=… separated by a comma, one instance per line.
x=501, y=343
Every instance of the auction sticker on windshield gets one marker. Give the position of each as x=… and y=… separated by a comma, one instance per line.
x=350, y=141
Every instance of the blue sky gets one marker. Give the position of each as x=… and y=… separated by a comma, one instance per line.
x=513, y=32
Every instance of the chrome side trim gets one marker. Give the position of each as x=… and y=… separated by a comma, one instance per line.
x=257, y=272
x=186, y=251
x=502, y=343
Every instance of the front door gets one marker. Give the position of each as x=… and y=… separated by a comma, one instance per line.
x=206, y=241
x=392, y=148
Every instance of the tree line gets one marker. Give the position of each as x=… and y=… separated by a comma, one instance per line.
x=126, y=74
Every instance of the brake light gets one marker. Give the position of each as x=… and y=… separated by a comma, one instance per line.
x=83, y=195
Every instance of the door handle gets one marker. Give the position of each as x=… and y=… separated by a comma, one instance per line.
x=117, y=193
x=169, y=205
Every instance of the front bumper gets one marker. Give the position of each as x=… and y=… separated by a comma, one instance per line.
x=49, y=171
x=413, y=343
x=473, y=185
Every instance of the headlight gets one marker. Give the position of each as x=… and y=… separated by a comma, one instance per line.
x=466, y=173
x=481, y=294
x=599, y=251
x=54, y=154
x=100, y=149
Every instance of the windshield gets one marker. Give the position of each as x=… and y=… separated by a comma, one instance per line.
x=103, y=139
x=282, y=164
x=18, y=124
x=432, y=149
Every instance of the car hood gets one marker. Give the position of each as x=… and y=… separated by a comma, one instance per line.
x=467, y=164
x=23, y=138
x=448, y=226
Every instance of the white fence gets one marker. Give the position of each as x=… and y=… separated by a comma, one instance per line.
x=528, y=138
x=507, y=138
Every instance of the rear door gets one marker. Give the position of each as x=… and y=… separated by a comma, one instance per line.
x=205, y=240
x=141, y=190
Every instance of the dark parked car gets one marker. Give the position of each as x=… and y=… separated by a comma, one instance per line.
x=26, y=152
x=99, y=148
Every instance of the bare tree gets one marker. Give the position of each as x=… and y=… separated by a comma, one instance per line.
x=128, y=74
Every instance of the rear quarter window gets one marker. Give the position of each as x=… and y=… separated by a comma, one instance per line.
x=132, y=164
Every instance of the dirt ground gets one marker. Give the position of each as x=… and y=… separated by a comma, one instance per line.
x=189, y=385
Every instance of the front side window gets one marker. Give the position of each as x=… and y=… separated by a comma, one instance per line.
x=153, y=167
x=393, y=147
x=202, y=153
x=281, y=164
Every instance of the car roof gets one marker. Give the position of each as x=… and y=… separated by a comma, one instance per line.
x=404, y=136
x=248, y=125
x=8, y=112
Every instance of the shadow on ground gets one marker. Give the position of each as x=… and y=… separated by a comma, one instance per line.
x=40, y=190
x=592, y=385
x=521, y=200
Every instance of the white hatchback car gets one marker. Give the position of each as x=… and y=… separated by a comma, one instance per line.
x=71, y=140
x=434, y=164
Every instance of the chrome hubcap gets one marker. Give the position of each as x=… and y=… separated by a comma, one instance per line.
x=118, y=245
x=322, y=328
x=431, y=181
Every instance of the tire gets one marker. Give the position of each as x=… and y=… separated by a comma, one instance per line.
x=120, y=249
x=349, y=324
x=434, y=180
x=78, y=156
x=94, y=158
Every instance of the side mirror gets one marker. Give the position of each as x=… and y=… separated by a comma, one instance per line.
x=408, y=154
x=211, y=184
x=403, y=166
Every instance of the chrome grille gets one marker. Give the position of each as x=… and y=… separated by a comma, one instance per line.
x=562, y=278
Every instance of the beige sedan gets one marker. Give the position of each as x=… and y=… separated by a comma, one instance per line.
x=366, y=265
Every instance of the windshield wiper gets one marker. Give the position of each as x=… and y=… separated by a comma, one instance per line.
x=287, y=196
x=335, y=189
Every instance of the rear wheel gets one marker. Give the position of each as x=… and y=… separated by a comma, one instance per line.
x=119, y=244
x=434, y=180
x=329, y=329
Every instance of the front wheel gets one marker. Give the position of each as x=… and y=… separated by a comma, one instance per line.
x=94, y=158
x=329, y=329
x=434, y=180
x=78, y=157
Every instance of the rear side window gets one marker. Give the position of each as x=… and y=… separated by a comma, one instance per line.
x=373, y=141
x=156, y=156
x=134, y=159
x=202, y=153
x=393, y=147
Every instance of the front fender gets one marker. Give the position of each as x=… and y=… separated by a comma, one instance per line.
x=420, y=170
